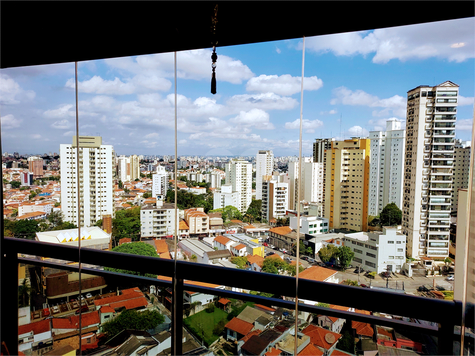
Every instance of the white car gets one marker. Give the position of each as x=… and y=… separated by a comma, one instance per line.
x=450, y=278
x=88, y=295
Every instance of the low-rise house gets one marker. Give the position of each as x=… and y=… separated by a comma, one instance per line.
x=238, y=249
x=196, y=248
x=237, y=328
x=392, y=338
x=323, y=339
x=214, y=257
x=333, y=323
x=222, y=243
x=255, y=262
x=35, y=337
x=197, y=220
x=37, y=215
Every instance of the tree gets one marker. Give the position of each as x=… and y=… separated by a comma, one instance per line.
x=273, y=265
x=121, y=185
x=134, y=248
x=15, y=184
x=254, y=210
x=240, y=262
x=390, y=215
x=126, y=224
x=24, y=291
x=26, y=228
x=133, y=319
x=345, y=256
x=146, y=195
x=327, y=253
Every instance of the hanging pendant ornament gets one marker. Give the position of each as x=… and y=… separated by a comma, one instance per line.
x=214, y=56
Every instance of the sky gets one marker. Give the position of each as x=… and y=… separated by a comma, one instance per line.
x=353, y=83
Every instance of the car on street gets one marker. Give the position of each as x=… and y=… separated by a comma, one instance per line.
x=310, y=260
x=269, y=253
x=265, y=244
x=359, y=270
x=88, y=295
x=451, y=277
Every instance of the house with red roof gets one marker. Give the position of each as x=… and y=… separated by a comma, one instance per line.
x=131, y=298
x=238, y=249
x=237, y=329
x=106, y=313
x=35, y=336
x=324, y=339
x=223, y=243
x=333, y=323
x=255, y=262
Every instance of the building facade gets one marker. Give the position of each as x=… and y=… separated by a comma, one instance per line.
x=346, y=184
x=239, y=176
x=311, y=183
x=264, y=167
x=378, y=251
x=428, y=169
x=95, y=180
x=35, y=165
x=310, y=225
x=225, y=197
x=128, y=168
x=275, y=198
x=158, y=221
x=159, y=183
x=386, y=167
x=461, y=170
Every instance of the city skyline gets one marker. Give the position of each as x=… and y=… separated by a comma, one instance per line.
x=361, y=78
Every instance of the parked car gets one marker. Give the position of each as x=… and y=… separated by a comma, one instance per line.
x=451, y=277
x=288, y=259
x=310, y=260
x=265, y=244
x=359, y=270
x=88, y=295
x=386, y=274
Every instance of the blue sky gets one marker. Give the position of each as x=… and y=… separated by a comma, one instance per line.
x=361, y=78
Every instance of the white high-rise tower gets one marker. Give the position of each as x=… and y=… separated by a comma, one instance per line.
x=95, y=180
x=428, y=169
x=264, y=167
x=386, y=167
x=239, y=176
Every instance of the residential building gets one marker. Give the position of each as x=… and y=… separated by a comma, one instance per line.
x=128, y=168
x=310, y=224
x=95, y=180
x=319, y=156
x=35, y=165
x=275, y=197
x=461, y=170
x=264, y=167
x=26, y=179
x=35, y=337
x=159, y=183
x=197, y=221
x=378, y=251
x=428, y=169
x=239, y=176
x=311, y=183
x=386, y=167
x=38, y=206
x=346, y=184
x=158, y=220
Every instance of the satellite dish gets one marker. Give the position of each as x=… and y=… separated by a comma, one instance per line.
x=330, y=338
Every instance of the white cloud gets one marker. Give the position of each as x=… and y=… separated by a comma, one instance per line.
x=61, y=124
x=395, y=104
x=452, y=40
x=97, y=85
x=12, y=93
x=464, y=125
x=63, y=111
x=331, y=112
x=380, y=124
x=264, y=101
x=307, y=125
x=282, y=85
x=464, y=101
x=357, y=131
x=277, y=49
x=69, y=133
x=152, y=135
x=10, y=122
x=254, y=118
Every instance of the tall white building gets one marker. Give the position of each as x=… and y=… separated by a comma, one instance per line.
x=275, y=198
x=386, y=167
x=96, y=171
x=461, y=170
x=312, y=183
x=128, y=168
x=225, y=196
x=159, y=183
x=158, y=221
x=239, y=176
x=428, y=169
x=264, y=167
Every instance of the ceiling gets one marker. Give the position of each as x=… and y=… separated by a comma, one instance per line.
x=35, y=33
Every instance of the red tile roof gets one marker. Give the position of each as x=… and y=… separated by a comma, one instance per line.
x=316, y=273
x=255, y=259
x=224, y=301
x=319, y=338
x=107, y=309
x=260, y=306
x=161, y=246
x=239, y=247
x=281, y=230
x=310, y=350
x=362, y=328
x=275, y=255
x=37, y=327
x=125, y=240
x=118, y=298
x=240, y=326
x=72, y=322
x=130, y=304
x=251, y=334
x=221, y=239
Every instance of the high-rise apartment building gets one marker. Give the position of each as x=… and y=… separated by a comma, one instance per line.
x=35, y=165
x=128, y=168
x=275, y=198
x=224, y=197
x=311, y=183
x=264, y=167
x=160, y=183
x=346, y=184
x=95, y=180
x=461, y=170
x=239, y=176
x=386, y=167
x=428, y=169
x=319, y=147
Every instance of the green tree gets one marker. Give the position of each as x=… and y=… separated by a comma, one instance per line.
x=273, y=265
x=24, y=291
x=326, y=253
x=390, y=215
x=134, y=248
x=239, y=261
x=254, y=210
x=133, y=319
x=345, y=256
x=146, y=195
x=126, y=224
x=26, y=229
x=121, y=185
x=346, y=343
x=15, y=184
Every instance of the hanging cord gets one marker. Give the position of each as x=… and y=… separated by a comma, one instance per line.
x=298, y=205
x=214, y=56
x=79, y=203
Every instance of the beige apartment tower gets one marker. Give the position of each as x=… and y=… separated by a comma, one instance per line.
x=428, y=169
x=346, y=184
